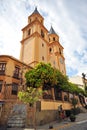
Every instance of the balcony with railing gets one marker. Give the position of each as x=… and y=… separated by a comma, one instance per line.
x=2, y=68
x=16, y=73
x=2, y=72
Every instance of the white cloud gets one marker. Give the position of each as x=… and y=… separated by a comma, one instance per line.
x=68, y=18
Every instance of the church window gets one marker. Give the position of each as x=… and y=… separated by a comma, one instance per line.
x=29, y=31
x=50, y=50
x=30, y=20
x=61, y=60
x=42, y=57
x=53, y=38
x=42, y=45
x=42, y=33
x=59, y=50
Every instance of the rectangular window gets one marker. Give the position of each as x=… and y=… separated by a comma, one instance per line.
x=42, y=44
x=1, y=82
x=29, y=31
x=2, y=68
x=42, y=57
x=58, y=94
x=14, y=88
x=16, y=72
x=42, y=33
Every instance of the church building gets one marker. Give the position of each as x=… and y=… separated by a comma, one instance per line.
x=40, y=45
x=37, y=45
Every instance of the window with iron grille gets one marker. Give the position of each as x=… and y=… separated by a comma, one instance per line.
x=1, y=82
x=14, y=88
x=2, y=68
x=58, y=94
x=16, y=72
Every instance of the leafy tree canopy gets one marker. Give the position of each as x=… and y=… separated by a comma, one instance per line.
x=62, y=80
x=47, y=76
x=31, y=95
x=42, y=75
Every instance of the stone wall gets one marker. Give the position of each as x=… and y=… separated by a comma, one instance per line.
x=45, y=112
x=46, y=116
x=6, y=110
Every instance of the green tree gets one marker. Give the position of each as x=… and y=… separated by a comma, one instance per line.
x=62, y=80
x=73, y=88
x=30, y=96
x=42, y=75
x=74, y=102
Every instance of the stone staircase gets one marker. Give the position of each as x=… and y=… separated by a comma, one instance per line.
x=16, y=121
x=17, y=117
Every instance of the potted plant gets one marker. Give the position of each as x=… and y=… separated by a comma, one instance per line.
x=72, y=118
x=50, y=126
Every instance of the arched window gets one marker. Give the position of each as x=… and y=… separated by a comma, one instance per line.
x=42, y=33
x=42, y=21
x=30, y=20
x=50, y=50
x=59, y=50
x=42, y=57
x=53, y=38
x=42, y=44
x=29, y=31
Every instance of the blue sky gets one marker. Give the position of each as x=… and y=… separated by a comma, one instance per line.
x=68, y=18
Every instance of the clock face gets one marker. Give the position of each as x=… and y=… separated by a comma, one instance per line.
x=61, y=60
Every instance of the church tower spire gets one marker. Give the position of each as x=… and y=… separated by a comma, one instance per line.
x=36, y=11
x=52, y=31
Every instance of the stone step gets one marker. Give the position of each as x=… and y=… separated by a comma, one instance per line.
x=16, y=125
x=18, y=116
x=16, y=121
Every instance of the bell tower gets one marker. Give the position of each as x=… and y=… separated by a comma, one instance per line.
x=34, y=41
x=40, y=45
x=56, y=56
